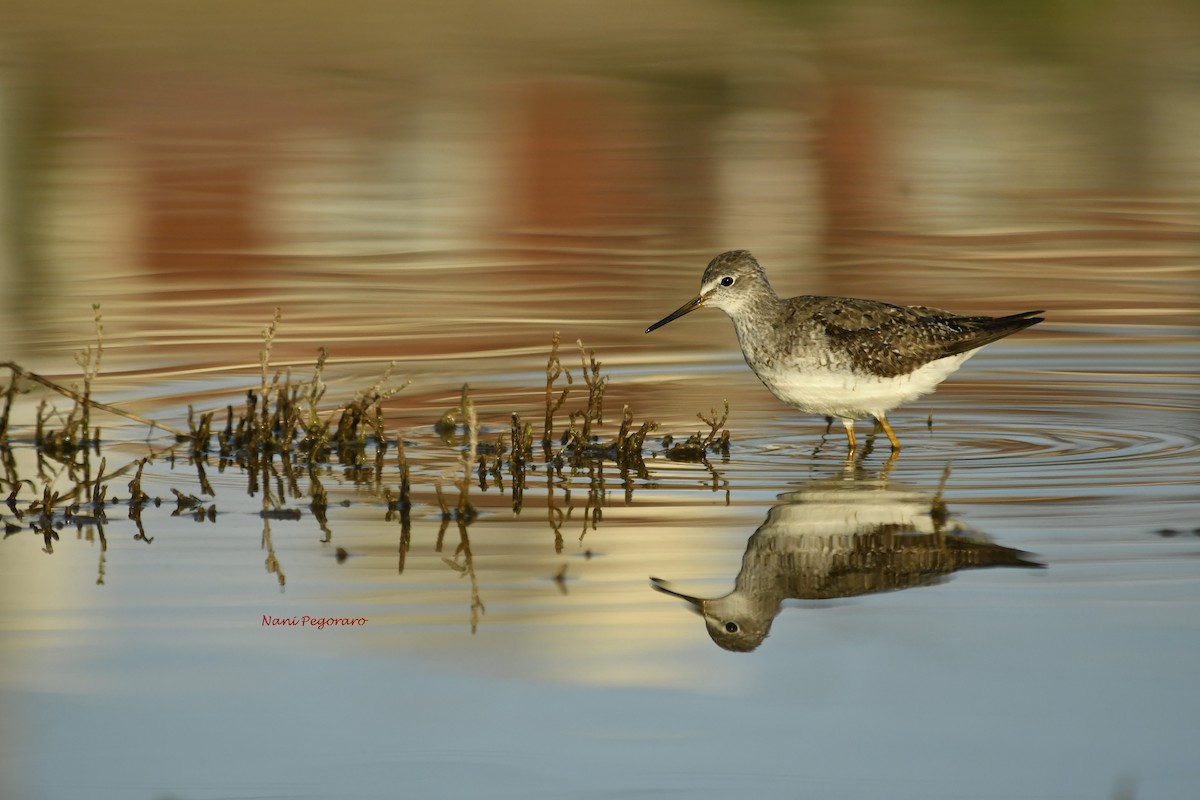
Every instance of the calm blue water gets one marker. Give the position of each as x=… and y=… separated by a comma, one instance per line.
x=443, y=195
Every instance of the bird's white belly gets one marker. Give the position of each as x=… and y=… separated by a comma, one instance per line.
x=851, y=395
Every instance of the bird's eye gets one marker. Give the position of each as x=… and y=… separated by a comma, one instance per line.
x=731, y=627
x=727, y=281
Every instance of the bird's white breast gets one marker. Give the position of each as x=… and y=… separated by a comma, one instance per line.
x=846, y=394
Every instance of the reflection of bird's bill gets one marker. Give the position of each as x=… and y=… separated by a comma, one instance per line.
x=686, y=308
x=694, y=603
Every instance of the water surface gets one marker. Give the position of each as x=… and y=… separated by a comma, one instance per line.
x=440, y=209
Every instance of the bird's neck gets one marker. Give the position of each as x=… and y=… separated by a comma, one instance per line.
x=760, y=311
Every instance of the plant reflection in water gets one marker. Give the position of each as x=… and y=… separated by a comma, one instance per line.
x=287, y=432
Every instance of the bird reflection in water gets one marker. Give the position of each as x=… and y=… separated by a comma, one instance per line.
x=842, y=537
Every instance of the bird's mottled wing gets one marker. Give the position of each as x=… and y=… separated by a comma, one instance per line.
x=888, y=340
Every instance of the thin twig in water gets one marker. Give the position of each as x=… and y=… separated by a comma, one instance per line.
x=120, y=412
x=554, y=370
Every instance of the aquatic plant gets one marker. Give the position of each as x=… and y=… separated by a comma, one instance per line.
x=286, y=429
x=697, y=446
x=554, y=398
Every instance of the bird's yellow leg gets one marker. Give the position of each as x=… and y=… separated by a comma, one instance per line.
x=883, y=423
x=849, y=423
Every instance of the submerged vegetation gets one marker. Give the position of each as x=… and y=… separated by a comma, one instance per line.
x=284, y=437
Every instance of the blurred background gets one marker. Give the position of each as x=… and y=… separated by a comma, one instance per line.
x=445, y=184
x=523, y=165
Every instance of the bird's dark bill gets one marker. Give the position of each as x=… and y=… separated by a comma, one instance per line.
x=686, y=308
x=695, y=602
